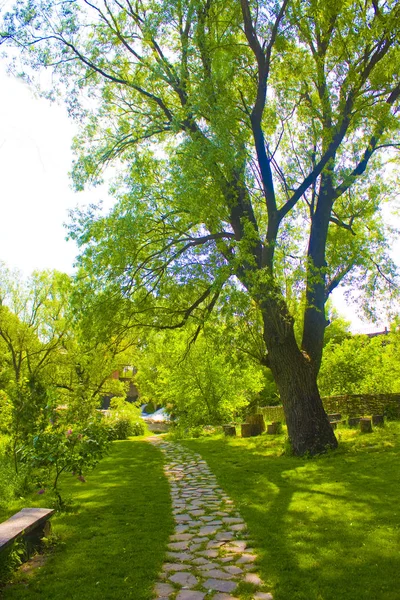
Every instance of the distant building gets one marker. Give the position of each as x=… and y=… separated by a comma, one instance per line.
x=125, y=374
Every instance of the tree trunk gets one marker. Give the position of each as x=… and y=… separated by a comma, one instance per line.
x=307, y=422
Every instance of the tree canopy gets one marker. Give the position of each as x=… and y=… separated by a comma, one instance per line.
x=48, y=361
x=251, y=139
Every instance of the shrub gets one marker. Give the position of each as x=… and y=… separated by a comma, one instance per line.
x=138, y=428
x=392, y=413
x=61, y=449
x=124, y=420
x=181, y=431
x=12, y=484
x=149, y=408
x=121, y=429
x=5, y=412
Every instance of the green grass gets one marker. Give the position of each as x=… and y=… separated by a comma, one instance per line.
x=112, y=544
x=326, y=528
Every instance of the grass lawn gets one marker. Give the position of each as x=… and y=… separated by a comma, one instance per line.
x=326, y=528
x=112, y=544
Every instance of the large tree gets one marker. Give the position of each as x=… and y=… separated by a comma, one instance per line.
x=251, y=137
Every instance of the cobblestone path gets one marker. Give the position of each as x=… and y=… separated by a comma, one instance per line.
x=208, y=555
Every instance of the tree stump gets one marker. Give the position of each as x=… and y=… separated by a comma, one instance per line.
x=256, y=429
x=366, y=425
x=229, y=430
x=250, y=429
x=247, y=430
x=378, y=420
x=274, y=428
x=354, y=421
x=257, y=420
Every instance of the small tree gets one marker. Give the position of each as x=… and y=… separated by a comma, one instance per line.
x=57, y=450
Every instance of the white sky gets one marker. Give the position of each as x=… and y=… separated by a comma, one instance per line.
x=35, y=192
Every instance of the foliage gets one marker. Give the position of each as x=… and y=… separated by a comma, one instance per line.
x=53, y=372
x=124, y=420
x=121, y=429
x=361, y=365
x=181, y=431
x=33, y=328
x=6, y=410
x=205, y=383
x=10, y=559
x=12, y=485
x=58, y=449
x=252, y=140
x=149, y=408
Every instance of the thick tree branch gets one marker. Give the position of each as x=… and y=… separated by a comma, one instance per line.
x=373, y=145
x=334, y=282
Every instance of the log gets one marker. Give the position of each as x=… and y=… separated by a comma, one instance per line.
x=366, y=425
x=378, y=420
x=274, y=428
x=229, y=430
x=333, y=425
x=257, y=420
x=354, y=421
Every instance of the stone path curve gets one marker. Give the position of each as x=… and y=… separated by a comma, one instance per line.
x=208, y=555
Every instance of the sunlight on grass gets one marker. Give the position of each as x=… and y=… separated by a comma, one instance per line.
x=112, y=543
x=325, y=528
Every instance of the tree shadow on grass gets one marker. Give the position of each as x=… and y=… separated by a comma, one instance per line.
x=324, y=529
x=113, y=545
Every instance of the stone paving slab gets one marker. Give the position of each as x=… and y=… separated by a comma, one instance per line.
x=209, y=552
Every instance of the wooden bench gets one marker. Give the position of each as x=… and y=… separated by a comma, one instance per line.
x=30, y=523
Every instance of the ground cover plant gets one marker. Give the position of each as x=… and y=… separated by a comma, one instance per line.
x=325, y=528
x=111, y=543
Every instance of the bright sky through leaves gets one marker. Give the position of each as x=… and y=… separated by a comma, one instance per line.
x=35, y=157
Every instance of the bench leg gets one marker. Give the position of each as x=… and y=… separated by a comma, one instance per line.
x=33, y=539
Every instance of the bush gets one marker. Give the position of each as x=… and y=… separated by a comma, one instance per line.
x=5, y=412
x=392, y=413
x=61, y=449
x=124, y=420
x=149, y=408
x=138, y=428
x=123, y=427
x=12, y=484
x=181, y=431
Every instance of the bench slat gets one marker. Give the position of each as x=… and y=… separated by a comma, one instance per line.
x=22, y=522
